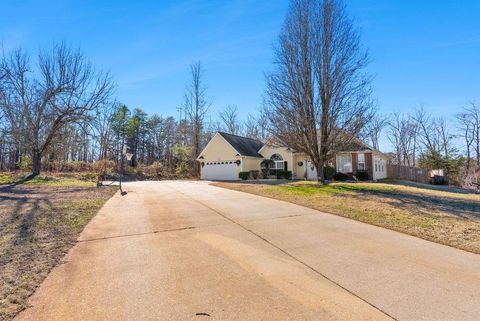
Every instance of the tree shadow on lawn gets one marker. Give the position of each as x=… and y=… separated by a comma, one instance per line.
x=466, y=209
x=11, y=192
x=440, y=188
x=35, y=234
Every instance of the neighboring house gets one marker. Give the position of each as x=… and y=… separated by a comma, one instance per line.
x=226, y=155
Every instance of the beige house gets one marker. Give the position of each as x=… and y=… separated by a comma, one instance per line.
x=226, y=155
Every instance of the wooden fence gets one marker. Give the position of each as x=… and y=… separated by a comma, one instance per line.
x=407, y=173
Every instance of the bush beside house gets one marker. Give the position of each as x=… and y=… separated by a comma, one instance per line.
x=243, y=175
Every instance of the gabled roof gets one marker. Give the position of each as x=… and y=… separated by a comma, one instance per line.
x=243, y=145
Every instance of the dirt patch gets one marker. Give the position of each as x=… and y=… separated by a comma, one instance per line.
x=449, y=218
x=38, y=224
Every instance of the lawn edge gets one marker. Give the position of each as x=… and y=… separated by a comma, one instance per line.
x=348, y=218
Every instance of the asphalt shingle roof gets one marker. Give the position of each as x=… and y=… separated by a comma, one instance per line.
x=245, y=146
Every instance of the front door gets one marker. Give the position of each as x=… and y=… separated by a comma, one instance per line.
x=310, y=169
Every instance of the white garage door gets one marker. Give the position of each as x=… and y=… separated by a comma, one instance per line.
x=221, y=171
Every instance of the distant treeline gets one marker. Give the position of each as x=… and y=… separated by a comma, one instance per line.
x=58, y=113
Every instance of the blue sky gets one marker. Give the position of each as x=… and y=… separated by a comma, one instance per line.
x=423, y=52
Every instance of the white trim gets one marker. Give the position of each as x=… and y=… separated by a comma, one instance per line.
x=263, y=146
x=252, y=157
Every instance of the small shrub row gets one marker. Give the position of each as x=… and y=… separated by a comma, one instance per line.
x=362, y=176
x=438, y=180
x=284, y=174
x=254, y=174
x=343, y=177
x=358, y=176
x=244, y=175
x=329, y=172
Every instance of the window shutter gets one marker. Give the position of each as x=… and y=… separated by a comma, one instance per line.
x=285, y=166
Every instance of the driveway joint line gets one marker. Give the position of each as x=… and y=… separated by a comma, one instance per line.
x=147, y=233
x=288, y=254
x=276, y=218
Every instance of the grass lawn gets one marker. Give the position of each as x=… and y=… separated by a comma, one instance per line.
x=440, y=214
x=39, y=221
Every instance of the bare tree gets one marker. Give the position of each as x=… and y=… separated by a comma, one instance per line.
x=252, y=128
x=256, y=126
x=465, y=127
x=402, y=132
x=38, y=105
x=469, y=127
x=318, y=98
x=472, y=112
x=374, y=129
x=101, y=127
x=229, y=120
x=427, y=131
x=436, y=143
x=196, y=107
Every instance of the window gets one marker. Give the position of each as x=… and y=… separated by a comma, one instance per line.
x=278, y=165
x=344, y=163
x=278, y=162
x=361, y=162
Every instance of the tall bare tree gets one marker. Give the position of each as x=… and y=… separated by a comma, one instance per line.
x=229, y=120
x=38, y=105
x=196, y=107
x=374, y=129
x=472, y=115
x=469, y=126
x=256, y=126
x=402, y=133
x=318, y=98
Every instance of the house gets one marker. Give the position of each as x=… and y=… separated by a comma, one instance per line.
x=226, y=155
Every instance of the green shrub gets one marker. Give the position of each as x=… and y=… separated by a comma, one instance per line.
x=288, y=174
x=328, y=172
x=284, y=174
x=254, y=174
x=266, y=164
x=243, y=175
x=26, y=163
x=341, y=177
x=265, y=172
x=362, y=176
x=438, y=180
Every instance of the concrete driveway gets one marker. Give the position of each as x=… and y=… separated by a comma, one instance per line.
x=184, y=250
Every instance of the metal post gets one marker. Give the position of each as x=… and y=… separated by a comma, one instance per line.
x=121, y=173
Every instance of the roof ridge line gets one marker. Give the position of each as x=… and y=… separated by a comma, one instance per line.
x=221, y=132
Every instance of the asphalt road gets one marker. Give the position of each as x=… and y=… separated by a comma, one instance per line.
x=183, y=250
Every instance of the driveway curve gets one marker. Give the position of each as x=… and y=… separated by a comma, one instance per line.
x=186, y=250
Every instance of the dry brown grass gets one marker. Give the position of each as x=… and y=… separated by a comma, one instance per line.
x=39, y=222
x=442, y=215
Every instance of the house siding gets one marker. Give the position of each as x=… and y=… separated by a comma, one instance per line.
x=218, y=149
x=251, y=164
x=369, y=164
x=381, y=171
x=354, y=162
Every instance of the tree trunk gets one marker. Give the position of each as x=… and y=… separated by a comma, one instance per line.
x=320, y=176
x=37, y=163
